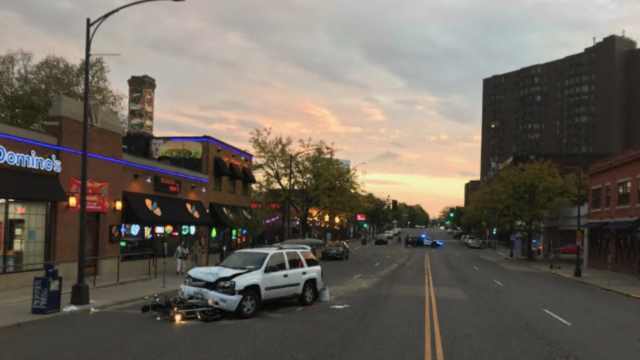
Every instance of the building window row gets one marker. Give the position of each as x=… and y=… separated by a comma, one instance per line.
x=624, y=195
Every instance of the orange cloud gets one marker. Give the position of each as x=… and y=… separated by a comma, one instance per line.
x=332, y=122
x=374, y=114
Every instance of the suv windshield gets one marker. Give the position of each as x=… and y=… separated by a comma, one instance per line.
x=244, y=261
x=334, y=245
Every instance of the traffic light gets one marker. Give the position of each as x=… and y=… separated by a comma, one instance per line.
x=495, y=231
x=366, y=225
x=394, y=205
x=451, y=212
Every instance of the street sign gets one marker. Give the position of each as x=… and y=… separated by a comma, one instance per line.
x=578, y=234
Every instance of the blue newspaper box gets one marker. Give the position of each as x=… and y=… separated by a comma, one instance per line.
x=47, y=295
x=50, y=270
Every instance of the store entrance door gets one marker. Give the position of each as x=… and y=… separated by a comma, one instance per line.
x=91, y=243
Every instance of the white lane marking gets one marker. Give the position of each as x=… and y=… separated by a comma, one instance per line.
x=388, y=256
x=377, y=264
x=557, y=317
x=300, y=308
x=463, y=259
x=357, y=276
x=357, y=248
x=498, y=282
x=501, y=254
x=475, y=267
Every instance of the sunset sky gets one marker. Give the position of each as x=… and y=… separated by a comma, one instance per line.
x=393, y=83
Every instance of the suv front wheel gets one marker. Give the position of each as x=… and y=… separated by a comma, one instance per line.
x=308, y=295
x=248, y=306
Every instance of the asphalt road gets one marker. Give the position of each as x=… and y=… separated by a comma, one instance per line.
x=483, y=310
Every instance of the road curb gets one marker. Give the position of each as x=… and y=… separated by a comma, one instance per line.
x=636, y=297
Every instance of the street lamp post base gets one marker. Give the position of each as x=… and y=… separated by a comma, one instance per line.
x=577, y=272
x=80, y=294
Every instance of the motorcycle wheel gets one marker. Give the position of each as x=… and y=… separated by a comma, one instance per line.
x=209, y=315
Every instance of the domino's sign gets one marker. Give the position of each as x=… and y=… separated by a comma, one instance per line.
x=30, y=160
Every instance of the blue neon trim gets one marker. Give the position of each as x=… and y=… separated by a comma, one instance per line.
x=239, y=152
x=96, y=156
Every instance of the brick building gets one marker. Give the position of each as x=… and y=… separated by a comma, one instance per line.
x=584, y=104
x=144, y=192
x=614, y=212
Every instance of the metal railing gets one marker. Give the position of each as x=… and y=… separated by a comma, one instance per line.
x=152, y=261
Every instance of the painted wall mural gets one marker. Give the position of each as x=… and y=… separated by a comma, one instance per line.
x=141, y=104
x=165, y=148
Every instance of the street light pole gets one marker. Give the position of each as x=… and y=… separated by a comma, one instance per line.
x=80, y=290
x=578, y=271
x=288, y=210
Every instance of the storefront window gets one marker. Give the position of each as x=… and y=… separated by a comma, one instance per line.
x=23, y=239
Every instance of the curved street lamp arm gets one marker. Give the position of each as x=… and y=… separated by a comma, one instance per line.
x=104, y=17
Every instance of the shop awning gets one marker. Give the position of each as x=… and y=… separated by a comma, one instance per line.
x=221, y=215
x=622, y=224
x=595, y=225
x=163, y=210
x=220, y=168
x=236, y=173
x=24, y=185
x=248, y=175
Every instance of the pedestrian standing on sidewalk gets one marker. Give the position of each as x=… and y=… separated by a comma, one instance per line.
x=195, y=254
x=181, y=255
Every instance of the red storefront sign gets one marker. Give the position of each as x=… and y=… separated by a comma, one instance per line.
x=261, y=205
x=97, y=195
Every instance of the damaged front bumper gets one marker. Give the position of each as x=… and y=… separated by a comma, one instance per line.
x=215, y=299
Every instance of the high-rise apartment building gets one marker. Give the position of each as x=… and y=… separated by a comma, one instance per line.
x=584, y=105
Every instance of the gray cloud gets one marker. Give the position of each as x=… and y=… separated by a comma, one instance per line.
x=386, y=156
x=218, y=64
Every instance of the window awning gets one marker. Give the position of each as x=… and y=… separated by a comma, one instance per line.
x=25, y=185
x=236, y=173
x=248, y=175
x=220, y=168
x=163, y=210
x=595, y=224
x=221, y=215
x=622, y=224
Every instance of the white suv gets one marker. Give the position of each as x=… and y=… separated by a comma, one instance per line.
x=249, y=277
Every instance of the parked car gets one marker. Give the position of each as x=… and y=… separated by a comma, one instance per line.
x=474, y=243
x=570, y=249
x=396, y=231
x=335, y=250
x=449, y=231
x=457, y=234
x=388, y=234
x=250, y=277
x=381, y=239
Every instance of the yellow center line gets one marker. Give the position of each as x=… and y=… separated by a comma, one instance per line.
x=427, y=320
x=436, y=325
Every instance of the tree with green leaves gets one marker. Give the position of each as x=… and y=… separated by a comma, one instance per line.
x=317, y=178
x=522, y=196
x=27, y=88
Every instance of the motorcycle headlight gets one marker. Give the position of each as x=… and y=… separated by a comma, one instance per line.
x=227, y=287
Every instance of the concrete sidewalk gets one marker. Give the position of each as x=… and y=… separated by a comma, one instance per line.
x=15, y=305
x=604, y=279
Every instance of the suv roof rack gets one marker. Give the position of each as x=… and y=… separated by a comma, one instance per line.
x=299, y=247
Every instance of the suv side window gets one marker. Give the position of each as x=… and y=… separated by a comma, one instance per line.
x=277, y=260
x=310, y=259
x=295, y=261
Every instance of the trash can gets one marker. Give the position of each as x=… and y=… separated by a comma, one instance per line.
x=47, y=292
